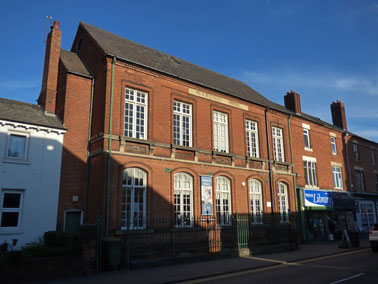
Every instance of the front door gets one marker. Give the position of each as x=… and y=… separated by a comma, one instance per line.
x=72, y=222
x=316, y=223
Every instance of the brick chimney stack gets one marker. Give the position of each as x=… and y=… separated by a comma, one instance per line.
x=293, y=101
x=47, y=97
x=338, y=114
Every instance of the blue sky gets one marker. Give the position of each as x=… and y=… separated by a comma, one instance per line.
x=324, y=50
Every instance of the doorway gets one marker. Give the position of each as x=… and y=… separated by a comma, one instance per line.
x=72, y=221
x=317, y=224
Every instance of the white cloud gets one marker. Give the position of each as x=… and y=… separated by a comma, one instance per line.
x=319, y=88
x=322, y=79
x=370, y=113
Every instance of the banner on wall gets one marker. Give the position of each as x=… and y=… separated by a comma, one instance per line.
x=207, y=195
x=318, y=198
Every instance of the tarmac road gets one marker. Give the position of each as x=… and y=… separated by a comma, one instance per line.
x=359, y=266
x=311, y=263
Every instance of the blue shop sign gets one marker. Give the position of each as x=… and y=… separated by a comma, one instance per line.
x=318, y=198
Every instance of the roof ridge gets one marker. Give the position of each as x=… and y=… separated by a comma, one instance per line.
x=169, y=55
x=20, y=102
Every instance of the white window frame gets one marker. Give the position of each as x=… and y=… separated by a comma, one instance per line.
x=252, y=138
x=18, y=210
x=256, y=201
x=134, y=220
x=220, y=130
x=278, y=145
x=367, y=219
x=182, y=133
x=283, y=202
x=183, y=191
x=337, y=177
x=26, y=152
x=223, y=200
x=360, y=180
x=333, y=146
x=306, y=136
x=355, y=150
x=311, y=178
x=137, y=99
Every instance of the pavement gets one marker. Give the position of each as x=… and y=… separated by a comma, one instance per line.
x=200, y=269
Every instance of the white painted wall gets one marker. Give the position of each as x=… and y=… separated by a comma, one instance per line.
x=38, y=176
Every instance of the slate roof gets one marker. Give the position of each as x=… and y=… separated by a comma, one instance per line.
x=136, y=53
x=27, y=113
x=73, y=63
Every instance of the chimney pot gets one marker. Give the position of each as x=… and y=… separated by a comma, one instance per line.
x=338, y=114
x=293, y=101
x=56, y=24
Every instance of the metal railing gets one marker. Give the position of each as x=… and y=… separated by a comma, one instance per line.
x=167, y=238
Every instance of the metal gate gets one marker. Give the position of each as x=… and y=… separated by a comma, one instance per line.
x=242, y=224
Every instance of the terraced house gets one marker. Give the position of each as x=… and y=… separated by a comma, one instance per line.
x=30, y=164
x=153, y=137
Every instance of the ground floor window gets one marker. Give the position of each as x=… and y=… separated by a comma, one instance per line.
x=11, y=208
x=366, y=215
x=223, y=200
x=133, y=214
x=255, y=199
x=183, y=200
x=283, y=204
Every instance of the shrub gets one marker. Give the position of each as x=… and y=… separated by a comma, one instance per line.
x=53, y=244
x=54, y=239
x=33, y=249
x=3, y=247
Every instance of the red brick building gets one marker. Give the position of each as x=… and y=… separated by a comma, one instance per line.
x=153, y=136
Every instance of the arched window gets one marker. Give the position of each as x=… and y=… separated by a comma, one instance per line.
x=223, y=200
x=183, y=198
x=283, y=203
x=255, y=199
x=134, y=186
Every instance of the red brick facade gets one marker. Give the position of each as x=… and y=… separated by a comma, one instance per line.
x=161, y=159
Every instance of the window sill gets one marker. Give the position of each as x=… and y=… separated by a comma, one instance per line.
x=257, y=159
x=136, y=140
x=184, y=229
x=311, y=187
x=9, y=231
x=16, y=161
x=187, y=148
x=133, y=231
x=226, y=154
x=281, y=163
x=308, y=149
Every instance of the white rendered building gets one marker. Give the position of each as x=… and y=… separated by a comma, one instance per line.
x=30, y=161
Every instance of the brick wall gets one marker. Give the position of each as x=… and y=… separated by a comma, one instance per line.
x=364, y=163
x=320, y=141
x=76, y=105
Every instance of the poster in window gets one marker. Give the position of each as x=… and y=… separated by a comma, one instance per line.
x=207, y=195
